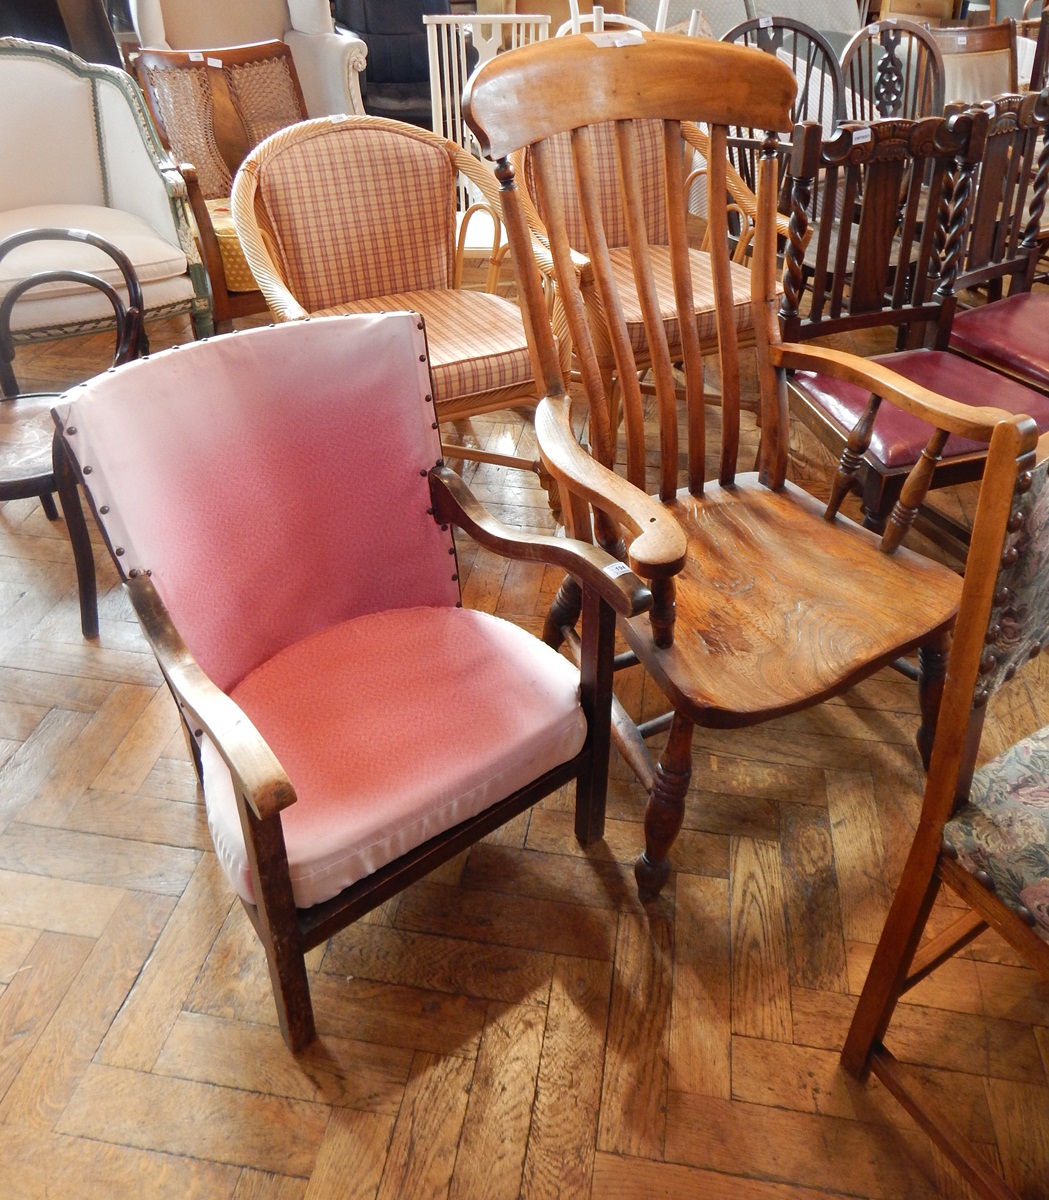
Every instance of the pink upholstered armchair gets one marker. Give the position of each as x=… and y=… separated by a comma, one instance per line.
x=276, y=504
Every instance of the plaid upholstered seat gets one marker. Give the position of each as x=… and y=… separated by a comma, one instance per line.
x=358, y=214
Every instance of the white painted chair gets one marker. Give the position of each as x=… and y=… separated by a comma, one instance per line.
x=594, y=21
x=450, y=40
x=328, y=62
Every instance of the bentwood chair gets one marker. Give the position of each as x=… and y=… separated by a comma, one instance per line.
x=27, y=467
x=276, y=504
x=892, y=68
x=764, y=601
x=358, y=215
x=210, y=108
x=887, y=269
x=983, y=835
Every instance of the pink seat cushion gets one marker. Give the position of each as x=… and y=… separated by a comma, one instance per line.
x=1009, y=334
x=394, y=727
x=900, y=438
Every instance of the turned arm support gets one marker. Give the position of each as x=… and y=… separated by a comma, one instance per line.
x=455, y=504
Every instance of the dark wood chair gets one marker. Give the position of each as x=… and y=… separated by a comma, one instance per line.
x=276, y=504
x=885, y=268
x=765, y=601
x=983, y=835
x=26, y=429
x=892, y=68
x=1008, y=333
x=211, y=107
x=82, y=26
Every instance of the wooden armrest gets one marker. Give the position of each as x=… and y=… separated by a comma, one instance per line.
x=929, y=406
x=209, y=244
x=658, y=548
x=257, y=775
x=455, y=504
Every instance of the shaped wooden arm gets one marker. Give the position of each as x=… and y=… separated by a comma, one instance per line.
x=928, y=406
x=455, y=504
x=658, y=548
x=257, y=775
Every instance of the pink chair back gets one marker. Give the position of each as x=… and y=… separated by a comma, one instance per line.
x=273, y=481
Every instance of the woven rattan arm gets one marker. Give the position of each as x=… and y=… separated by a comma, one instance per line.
x=257, y=775
x=455, y=504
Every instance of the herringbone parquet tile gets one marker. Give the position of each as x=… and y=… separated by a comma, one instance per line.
x=516, y=1024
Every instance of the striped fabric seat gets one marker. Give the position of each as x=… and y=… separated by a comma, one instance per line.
x=477, y=341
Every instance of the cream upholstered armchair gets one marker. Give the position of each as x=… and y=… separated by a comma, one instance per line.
x=329, y=62
x=79, y=153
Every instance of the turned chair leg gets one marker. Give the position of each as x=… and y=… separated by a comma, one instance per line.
x=666, y=809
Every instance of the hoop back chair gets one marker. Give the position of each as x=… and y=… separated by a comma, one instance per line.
x=27, y=467
x=210, y=108
x=886, y=268
x=277, y=507
x=358, y=215
x=983, y=835
x=892, y=68
x=764, y=601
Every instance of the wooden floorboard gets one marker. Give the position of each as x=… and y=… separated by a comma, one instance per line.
x=515, y=1026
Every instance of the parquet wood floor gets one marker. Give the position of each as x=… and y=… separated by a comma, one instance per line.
x=515, y=1025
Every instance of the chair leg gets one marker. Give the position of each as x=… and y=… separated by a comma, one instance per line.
x=47, y=503
x=666, y=809
x=564, y=612
x=596, y=671
x=80, y=540
x=886, y=979
x=932, y=671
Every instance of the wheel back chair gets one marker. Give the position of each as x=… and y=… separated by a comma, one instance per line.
x=277, y=507
x=892, y=68
x=27, y=466
x=210, y=108
x=79, y=152
x=983, y=834
x=766, y=601
x=885, y=268
x=358, y=215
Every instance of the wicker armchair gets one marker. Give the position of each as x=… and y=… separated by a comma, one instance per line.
x=358, y=215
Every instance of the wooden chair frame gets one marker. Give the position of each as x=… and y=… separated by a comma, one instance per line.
x=879, y=84
x=231, y=142
x=264, y=790
x=705, y=547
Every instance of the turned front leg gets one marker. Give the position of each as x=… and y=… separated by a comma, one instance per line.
x=666, y=809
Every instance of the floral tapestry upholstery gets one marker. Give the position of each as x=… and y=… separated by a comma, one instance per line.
x=1019, y=626
x=1003, y=828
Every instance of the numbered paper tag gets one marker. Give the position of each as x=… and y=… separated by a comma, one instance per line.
x=859, y=136
x=196, y=56
x=614, y=570
x=764, y=22
x=617, y=37
x=215, y=62
x=81, y=235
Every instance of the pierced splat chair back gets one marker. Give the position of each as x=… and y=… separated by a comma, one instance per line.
x=892, y=68
x=603, y=189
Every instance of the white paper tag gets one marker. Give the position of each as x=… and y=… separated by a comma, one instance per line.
x=215, y=62
x=764, y=22
x=196, y=56
x=616, y=37
x=859, y=136
x=962, y=40
x=614, y=570
x=81, y=235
